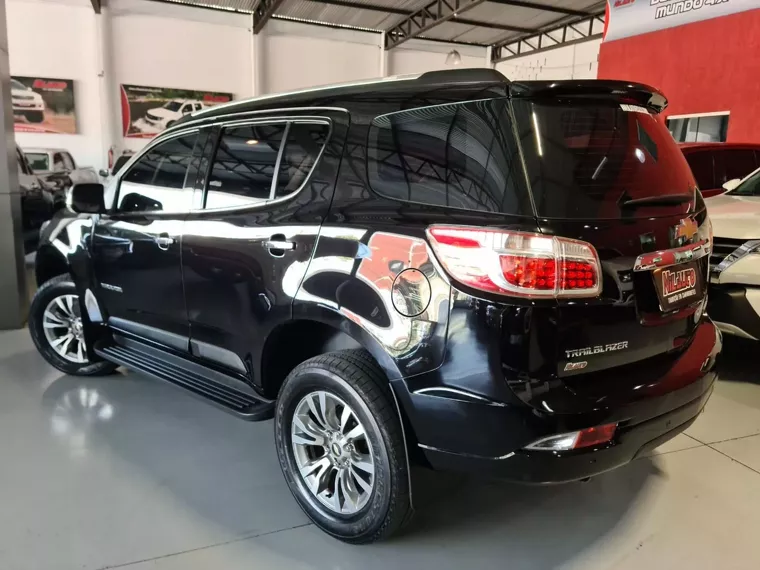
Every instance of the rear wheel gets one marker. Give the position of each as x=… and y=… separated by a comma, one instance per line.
x=55, y=324
x=341, y=449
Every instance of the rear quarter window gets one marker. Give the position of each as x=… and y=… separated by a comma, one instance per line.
x=456, y=155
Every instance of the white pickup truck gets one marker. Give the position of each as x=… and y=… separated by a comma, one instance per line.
x=734, y=294
x=58, y=167
x=26, y=102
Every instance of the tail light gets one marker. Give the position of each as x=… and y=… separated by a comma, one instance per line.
x=589, y=437
x=517, y=263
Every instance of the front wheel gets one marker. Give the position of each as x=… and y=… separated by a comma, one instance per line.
x=35, y=116
x=341, y=448
x=55, y=324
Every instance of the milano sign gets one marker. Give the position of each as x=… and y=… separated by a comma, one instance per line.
x=627, y=18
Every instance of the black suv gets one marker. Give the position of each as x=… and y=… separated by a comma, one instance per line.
x=506, y=278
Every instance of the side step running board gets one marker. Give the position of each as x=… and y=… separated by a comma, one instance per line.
x=226, y=392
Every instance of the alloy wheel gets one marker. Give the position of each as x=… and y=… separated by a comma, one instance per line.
x=332, y=452
x=62, y=323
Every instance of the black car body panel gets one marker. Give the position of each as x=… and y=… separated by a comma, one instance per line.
x=478, y=375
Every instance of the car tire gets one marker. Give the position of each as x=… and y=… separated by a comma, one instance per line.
x=373, y=468
x=170, y=124
x=57, y=301
x=35, y=116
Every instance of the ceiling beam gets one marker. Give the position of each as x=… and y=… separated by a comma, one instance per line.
x=262, y=11
x=431, y=15
x=96, y=5
x=542, y=7
x=550, y=38
x=401, y=12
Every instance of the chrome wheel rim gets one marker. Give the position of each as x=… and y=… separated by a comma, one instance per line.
x=62, y=323
x=333, y=453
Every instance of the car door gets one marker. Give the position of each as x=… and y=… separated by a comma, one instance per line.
x=137, y=245
x=268, y=187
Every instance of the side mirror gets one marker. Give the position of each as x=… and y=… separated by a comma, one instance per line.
x=86, y=198
x=103, y=173
x=731, y=184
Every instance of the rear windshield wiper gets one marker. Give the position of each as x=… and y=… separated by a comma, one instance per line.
x=662, y=200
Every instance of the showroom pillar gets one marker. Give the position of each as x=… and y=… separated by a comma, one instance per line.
x=14, y=299
x=110, y=131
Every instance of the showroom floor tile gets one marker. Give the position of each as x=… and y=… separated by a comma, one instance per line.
x=124, y=472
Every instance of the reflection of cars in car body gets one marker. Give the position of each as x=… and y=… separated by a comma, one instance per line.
x=390, y=271
x=57, y=166
x=735, y=265
x=714, y=164
x=26, y=102
x=170, y=112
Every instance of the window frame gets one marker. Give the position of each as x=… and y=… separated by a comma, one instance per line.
x=113, y=210
x=688, y=116
x=216, y=138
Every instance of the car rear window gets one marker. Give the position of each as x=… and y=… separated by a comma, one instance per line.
x=585, y=160
x=461, y=155
x=39, y=161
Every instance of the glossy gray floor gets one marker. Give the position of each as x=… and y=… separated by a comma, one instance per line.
x=127, y=472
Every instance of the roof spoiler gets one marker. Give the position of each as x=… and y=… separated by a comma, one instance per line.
x=620, y=91
x=467, y=75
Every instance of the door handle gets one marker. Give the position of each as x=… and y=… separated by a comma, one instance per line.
x=278, y=245
x=163, y=241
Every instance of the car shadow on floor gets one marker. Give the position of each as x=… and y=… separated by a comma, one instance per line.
x=737, y=361
x=190, y=447
x=225, y=471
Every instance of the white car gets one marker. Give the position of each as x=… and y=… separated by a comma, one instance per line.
x=734, y=300
x=163, y=117
x=57, y=165
x=26, y=102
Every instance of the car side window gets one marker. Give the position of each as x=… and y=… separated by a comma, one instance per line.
x=188, y=108
x=303, y=146
x=244, y=165
x=198, y=106
x=738, y=163
x=156, y=182
x=68, y=161
x=701, y=164
x=58, y=165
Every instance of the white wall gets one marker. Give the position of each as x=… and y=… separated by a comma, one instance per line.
x=167, y=45
x=299, y=55
x=56, y=39
x=164, y=45
x=418, y=56
x=576, y=61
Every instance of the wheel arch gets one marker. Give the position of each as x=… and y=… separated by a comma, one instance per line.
x=49, y=263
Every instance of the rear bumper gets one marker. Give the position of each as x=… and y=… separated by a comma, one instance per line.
x=730, y=308
x=556, y=467
x=460, y=431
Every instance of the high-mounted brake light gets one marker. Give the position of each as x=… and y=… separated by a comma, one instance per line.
x=517, y=263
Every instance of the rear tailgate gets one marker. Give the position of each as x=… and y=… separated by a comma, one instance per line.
x=607, y=172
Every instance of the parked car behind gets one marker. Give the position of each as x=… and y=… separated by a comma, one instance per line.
x=715, y=164
x=735, y=265
x=57, y=166
x=27, y=102
x=40, y=199
x=160, y=118
x=499, y=278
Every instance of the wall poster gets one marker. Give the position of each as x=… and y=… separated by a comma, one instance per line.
x=43, y=105
x=146, y=111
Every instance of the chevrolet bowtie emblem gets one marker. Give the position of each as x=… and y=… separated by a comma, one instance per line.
x=685, y=230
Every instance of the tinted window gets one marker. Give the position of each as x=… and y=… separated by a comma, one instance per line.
x=304, y=143
x=701, y=164
x=586, y=160
x=750, y=187
x=460, y=156
x=40, y=161
x=187, y=109
x=244, y=165
x=738, y=163
x=156, y=182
